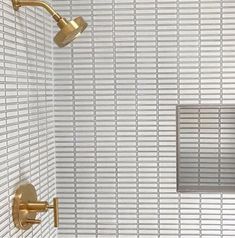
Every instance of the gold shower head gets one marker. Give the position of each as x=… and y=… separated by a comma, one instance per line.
x=69, y=30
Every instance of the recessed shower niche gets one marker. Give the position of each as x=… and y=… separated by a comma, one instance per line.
x=206, y=148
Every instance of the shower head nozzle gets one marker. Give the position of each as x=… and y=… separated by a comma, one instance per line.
x=69, y=30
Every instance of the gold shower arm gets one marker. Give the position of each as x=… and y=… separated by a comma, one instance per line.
x=36, y=3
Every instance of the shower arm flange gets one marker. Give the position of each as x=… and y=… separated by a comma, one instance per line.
x=37, y=3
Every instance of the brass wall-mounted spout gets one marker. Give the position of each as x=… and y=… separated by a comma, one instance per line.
x=25, y=207
x=69, y=30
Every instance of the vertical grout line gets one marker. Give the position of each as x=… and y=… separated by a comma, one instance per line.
x=18, y=103
x=6, y=118
x=28, y=95
x=178, y=100
x=18, y=112
x=39, y=189
x=116, y=116
x=95, y=118
x=37, y=13
x=199, y=111
x=52, y=57
x=53, y=104
x=74, y=129
x=221, y=102
x=157, y=118
x=74, y=140
x=136, y=118
x=46, y=126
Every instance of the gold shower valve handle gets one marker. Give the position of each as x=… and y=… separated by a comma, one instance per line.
x=43, y=207
x=25, y=207
x=55, y=207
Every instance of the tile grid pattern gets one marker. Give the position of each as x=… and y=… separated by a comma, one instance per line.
x=27, y=118
x=116, y=146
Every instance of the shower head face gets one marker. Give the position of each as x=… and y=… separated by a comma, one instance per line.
x=70, y=31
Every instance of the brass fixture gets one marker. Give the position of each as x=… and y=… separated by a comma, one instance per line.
x=25, y=207
x=69, y=30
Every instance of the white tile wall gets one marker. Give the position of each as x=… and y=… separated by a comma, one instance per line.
x=116, y=92
x=26, y=118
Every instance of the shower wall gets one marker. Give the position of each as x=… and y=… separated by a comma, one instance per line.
x=116, y=91
x=27, y=119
